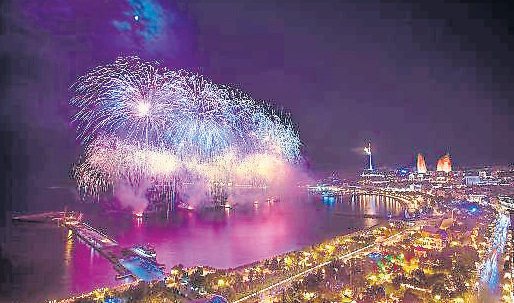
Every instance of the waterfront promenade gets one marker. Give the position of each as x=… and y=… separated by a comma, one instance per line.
x=267, y=292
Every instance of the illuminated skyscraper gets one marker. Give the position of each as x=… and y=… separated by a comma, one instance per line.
x=422, y=167
x=444, y=164
x=370, y=171
x=368, y=152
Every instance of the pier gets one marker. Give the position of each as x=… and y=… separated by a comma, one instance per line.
x=102, y=243
x=46, y=217
x=126, y=264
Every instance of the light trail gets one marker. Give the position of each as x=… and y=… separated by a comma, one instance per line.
x=303, y=273
x=489, y=273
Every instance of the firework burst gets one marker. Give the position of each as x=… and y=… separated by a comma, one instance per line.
x=129, y=98
x=140, y=121
x=208, y=119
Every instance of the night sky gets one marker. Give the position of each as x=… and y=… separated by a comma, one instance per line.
x=421, y=76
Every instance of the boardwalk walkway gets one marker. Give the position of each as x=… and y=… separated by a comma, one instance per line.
x=129, y=265
x=126, y=263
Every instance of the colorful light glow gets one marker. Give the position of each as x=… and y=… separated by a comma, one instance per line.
x=143, y=109
x=444, y=164
x=140, y=121
x=422, y=167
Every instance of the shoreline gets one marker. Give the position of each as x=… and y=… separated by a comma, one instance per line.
x=245, y=267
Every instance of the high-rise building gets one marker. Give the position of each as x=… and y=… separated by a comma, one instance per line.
x=370, y=171
x=444, y=164
x=422, y=167
x=367, y=150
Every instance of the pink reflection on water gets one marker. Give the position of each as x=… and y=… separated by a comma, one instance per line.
x=219, y=238
x=214, y=238
x=225, y=238
x=89, y=270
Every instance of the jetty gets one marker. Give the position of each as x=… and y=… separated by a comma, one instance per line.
x=124, y=262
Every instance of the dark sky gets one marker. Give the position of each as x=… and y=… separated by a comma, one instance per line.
x=429, y=76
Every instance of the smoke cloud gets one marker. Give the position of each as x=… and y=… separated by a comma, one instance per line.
x=132, y=197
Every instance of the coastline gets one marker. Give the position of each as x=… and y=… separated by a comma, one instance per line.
x=173, y=278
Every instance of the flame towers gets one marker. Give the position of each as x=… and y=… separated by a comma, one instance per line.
x=422, y=167
x=444, y=164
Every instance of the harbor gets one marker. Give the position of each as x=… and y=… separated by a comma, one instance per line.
x=131, y=262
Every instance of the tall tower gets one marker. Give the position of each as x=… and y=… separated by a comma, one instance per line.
x=370, y=171
x=368, y=152
x=422, y=167
x=444, y=164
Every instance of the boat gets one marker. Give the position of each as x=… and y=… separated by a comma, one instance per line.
x=144, y=251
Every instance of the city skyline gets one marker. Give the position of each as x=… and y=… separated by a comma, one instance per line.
x=425, y=92
x=242, y=151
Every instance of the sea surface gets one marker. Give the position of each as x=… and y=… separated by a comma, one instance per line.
x=40, y=263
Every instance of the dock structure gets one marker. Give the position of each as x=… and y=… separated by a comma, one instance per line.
x=126, y=265
x=46, y=217
x=91, y=235
x=100, y=242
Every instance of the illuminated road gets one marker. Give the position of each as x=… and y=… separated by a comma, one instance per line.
x=489, y=273
x=303, y=273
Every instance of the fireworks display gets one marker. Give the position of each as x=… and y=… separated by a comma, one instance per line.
x=141, y=123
